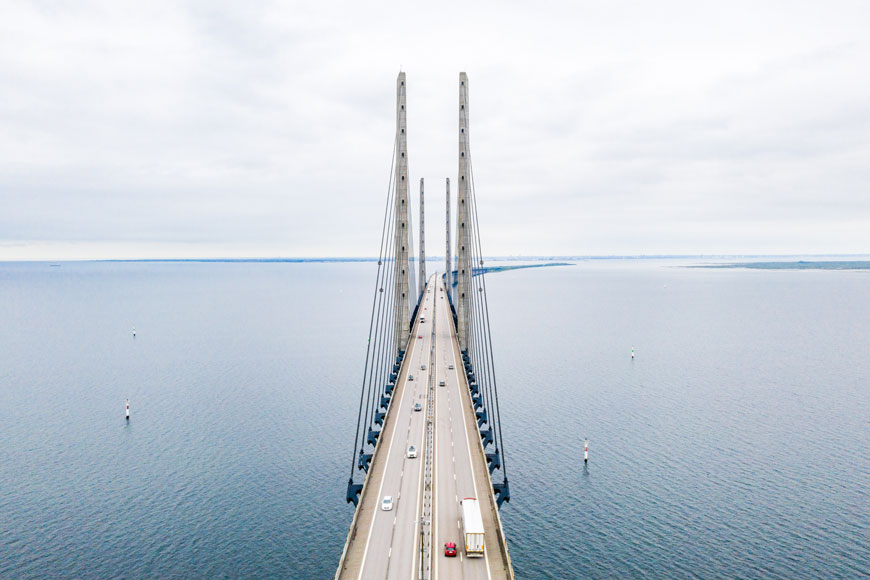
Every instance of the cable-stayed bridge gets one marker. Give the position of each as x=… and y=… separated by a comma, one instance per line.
x=428, y=466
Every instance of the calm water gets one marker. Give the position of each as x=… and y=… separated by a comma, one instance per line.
x=736, y=444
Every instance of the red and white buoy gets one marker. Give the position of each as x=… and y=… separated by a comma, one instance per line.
x=586, y=451
x=128, y=409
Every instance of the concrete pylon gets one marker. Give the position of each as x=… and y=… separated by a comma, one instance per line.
x=402, y=211
x=422, y=245
x=448, y=262
x=463, y=225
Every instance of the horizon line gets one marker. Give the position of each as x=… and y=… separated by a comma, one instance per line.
x=436, y=259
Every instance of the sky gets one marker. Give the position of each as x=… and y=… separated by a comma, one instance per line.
x=265, y=129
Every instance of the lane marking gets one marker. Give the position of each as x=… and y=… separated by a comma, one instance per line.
x=420, y=480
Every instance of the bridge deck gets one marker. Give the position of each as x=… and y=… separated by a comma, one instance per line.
x=386, y=544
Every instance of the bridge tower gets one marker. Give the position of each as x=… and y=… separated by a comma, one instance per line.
x=402, y=329
x=422, y=244
x=448, y=266
x=463, y=225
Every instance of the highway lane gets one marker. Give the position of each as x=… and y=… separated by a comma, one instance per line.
x=392, y=541
x=454, y=476
x=392, y=546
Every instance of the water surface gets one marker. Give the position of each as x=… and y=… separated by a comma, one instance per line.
x=735, y=444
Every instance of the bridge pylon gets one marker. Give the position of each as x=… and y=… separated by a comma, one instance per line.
x=463, y=226
x=448, y=257
x=422, y=246
x=402, y=301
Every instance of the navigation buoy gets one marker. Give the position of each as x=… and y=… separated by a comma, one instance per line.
x=128, y=409
x=632, y=353
x=586, y=451
x=134, y=332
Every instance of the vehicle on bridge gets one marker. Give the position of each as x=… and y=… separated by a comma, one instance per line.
x=441, y=384
x=450, y=549
x=418, y=407
x=412, y=452
x=472, y=527
x=387, y=504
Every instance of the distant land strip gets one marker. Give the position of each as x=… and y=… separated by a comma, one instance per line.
x=799, y=265
x=489, y=269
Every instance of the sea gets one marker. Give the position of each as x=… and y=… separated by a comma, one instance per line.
x=734, y=444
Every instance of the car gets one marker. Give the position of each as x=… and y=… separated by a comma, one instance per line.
x=450, y=367
x=450, y=549
x=387, y=504
x=410, y=377
x=422, y=367
x=441, y=384
x=419, y=336
x=418, y=407
x=412, y=452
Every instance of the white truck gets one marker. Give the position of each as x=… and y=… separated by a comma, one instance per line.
x=472, y=527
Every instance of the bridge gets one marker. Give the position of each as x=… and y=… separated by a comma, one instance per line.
x=428, y=466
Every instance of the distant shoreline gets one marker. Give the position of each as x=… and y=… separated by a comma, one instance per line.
x=799, y=265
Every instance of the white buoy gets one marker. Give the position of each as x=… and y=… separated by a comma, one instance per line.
x=632, y=352
x=134, y=332
x=586, y=451
x=128, y=409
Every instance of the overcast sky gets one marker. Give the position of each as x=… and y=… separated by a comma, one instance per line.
x=197, y=129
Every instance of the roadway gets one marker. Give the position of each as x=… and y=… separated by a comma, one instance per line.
x=387, y=544
x=454, y=477
x=392, y=548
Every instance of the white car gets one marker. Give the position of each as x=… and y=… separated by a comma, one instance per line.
x=450, y=367
x=387, y=504
x=441, y=384
x=412, y=452
x=422, y=367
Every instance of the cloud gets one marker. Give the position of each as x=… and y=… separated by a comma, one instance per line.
x=214, y=128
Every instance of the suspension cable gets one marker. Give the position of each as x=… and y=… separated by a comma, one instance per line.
x=497, y=410
x=374, y=300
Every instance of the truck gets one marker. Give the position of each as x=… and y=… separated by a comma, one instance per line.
x=472, y=527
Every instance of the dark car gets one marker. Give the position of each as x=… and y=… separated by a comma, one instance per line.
x=450, y=549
